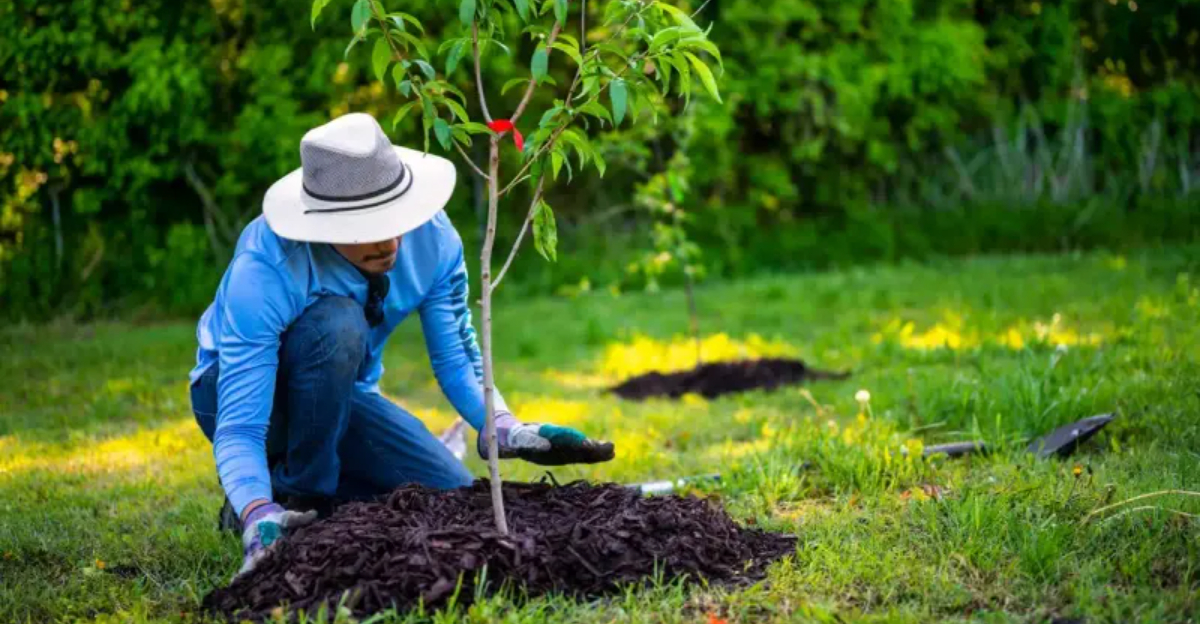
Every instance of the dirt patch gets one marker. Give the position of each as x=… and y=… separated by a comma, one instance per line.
x=718, y=378
x=578, y=539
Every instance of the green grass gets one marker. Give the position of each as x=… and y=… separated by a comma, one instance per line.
x=108, y=496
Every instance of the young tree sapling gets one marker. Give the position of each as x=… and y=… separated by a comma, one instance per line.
x=641, y=52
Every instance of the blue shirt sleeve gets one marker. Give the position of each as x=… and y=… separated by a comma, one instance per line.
x=258, y=308
x=450, y=340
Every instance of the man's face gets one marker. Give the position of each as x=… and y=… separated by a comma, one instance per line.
x=372, y=257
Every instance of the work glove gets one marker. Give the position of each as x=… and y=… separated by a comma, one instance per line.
x=265, y=527
x=544, y=444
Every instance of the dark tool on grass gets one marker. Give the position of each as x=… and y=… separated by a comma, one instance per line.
x=1058, y=443
x=1066, y=439
x=956, y=449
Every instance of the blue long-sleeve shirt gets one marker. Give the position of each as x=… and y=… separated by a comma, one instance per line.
x=269, y=284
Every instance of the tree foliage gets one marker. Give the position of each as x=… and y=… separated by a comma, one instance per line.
x=155, y=127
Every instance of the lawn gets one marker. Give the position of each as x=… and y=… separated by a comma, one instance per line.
x=108, y=497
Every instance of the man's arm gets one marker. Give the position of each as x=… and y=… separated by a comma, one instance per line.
x=450, y=340
x=258, y=308
x=458, y=366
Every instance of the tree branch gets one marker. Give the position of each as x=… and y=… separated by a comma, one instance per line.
x=697, y=11
x=478, y=77
x=212, y=213
x=537, y=197
x=470, y=162
x=533, y=83
x=383, y=28
x=517, y=181
x=570, y=97
x=541, y=150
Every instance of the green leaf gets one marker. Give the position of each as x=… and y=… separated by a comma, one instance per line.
x=664, y=37
x=685, y=74
x=381, y=57
x=426, y=69
x=619, y=97
x=512, y=83
x=568, y=39
x=448, y=88
x=612, y=49
x=576, y=139
x=400, y=77
x=681, y=17
x=402, y=112
x=548, y=116
x=475, y=128
x=545, y=232
x=466, y=12
x=350, y=46
x=663, y=68
x=522, y=9
x=441, y=129
x=560, y=11
x=539, y=62
x=360, y=15
x=460, y=135
x=455, y=54
x=317, y=7
x=507, y=51
x=597, y=110
x=601, y=166
x=703, y=44
x=457, y=109
x=702, y=70
x=414, y=42
x=556, y=162
x=569, y=51
x=400, y=18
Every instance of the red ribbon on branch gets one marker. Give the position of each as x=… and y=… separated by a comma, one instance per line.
x=504, y=125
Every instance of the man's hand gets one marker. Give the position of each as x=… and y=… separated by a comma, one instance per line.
x=265, y=526
x=547, y=445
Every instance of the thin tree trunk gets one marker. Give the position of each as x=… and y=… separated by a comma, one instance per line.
x=58, y=235
x=693, y=317
x=479, y=198
x=489, y=382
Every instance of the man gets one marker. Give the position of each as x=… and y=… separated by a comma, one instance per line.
x=286, y=384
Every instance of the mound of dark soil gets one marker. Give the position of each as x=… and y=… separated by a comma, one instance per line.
x=718, y=378
x=577, y=539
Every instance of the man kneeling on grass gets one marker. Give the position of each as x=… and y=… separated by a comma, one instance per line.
x=286, y=384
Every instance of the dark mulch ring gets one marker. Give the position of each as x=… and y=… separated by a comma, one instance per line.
x=718, y=378
x=577, y=539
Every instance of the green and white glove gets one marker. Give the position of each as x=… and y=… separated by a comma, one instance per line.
x=545, y=444
x=265, y=527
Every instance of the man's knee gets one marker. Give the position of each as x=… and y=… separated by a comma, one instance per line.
x=331, y=332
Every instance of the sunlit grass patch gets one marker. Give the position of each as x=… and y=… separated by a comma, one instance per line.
x=954, y=333
x=146, y=449
x=643, y=354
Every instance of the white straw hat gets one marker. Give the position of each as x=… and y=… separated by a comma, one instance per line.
x=354, y=186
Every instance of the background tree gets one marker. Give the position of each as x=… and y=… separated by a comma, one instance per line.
x=667, y=197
